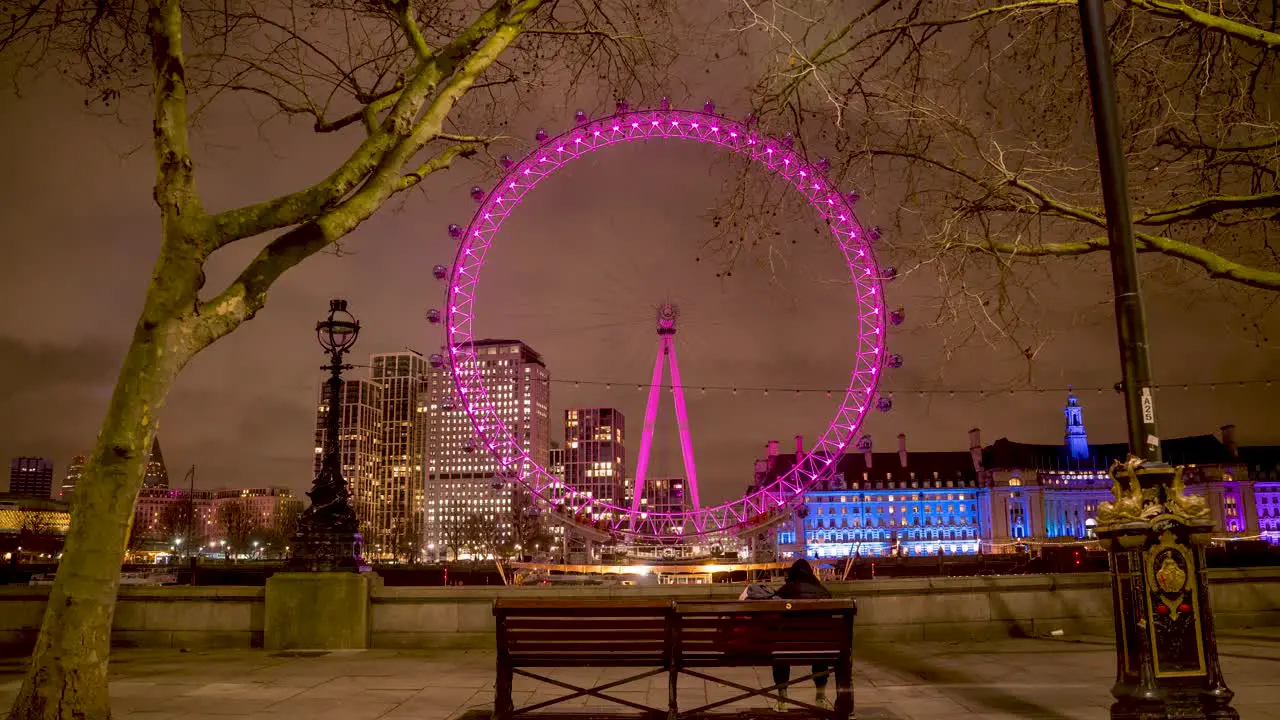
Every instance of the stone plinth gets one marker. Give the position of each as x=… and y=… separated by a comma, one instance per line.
x=317, y=611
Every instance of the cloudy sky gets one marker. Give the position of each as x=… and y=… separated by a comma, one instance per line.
x=576, y=274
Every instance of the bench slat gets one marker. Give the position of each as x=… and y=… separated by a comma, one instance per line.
x=608, y=624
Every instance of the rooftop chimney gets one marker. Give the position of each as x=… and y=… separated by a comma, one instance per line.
x=975, y=449
x=771, y=452
x=1229, y=440
x=902, y=449
x=866, y=454
x=799, y=447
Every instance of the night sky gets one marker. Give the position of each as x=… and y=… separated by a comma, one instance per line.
x=576, y=274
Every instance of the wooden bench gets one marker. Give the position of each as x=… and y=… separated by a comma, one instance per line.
x=677, y=638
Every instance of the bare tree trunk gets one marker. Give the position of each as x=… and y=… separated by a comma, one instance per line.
x=67, y=679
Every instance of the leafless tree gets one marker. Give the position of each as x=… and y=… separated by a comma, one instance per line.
x=411, y=85
x=479, y=536
x=973, y=118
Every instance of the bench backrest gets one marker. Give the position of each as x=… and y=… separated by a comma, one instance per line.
x=598, y=632
x=759, y=632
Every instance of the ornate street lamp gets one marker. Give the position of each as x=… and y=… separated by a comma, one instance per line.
x=328, y=537
x=1166, y=646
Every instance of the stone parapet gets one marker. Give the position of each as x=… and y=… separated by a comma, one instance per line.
x=949, y=609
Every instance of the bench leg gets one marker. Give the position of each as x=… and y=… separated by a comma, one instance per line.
x=844, y=688
x=502, y=705
x=673, y=710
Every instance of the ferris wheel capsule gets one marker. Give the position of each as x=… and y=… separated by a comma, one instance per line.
x=433, y=316
x=823, y=165
x=884, y=404
x=507, y=162
x=436, y=360
x=893, y=360
x=709, y=107
x=440, y=272
x=665, y=103
x=873, y=234
x=897, y=317
x=541, y=136
x=455, y=230
x=621, y=106
x=852, y=197
x=788, y=141
x=889, y=273
x=477, y=193
x=580, y=116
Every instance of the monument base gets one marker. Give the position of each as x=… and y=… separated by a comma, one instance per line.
x=317, y=611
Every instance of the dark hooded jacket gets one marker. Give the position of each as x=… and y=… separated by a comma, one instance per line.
x=802, y=584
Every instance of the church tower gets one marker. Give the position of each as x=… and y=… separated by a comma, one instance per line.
x=1076, y=439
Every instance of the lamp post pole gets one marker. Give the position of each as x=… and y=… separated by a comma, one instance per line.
x=1166, y=647
x=328, y=537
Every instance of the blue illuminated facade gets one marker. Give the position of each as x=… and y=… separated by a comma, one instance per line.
x=1008, y=496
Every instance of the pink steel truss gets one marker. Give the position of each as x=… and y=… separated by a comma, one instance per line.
x=776, y=155
x=667, y=315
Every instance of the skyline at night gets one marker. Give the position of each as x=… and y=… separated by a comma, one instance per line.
x=577, y=275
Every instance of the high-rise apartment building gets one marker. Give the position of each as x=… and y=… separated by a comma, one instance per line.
x=360, y=444
x=661, y=495
x=463, y=478
x=157, y=474
x=74, y=471
x=397, y=523
x=31, y=476
x=595, y=454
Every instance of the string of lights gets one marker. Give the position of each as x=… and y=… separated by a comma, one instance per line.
x=949, y=391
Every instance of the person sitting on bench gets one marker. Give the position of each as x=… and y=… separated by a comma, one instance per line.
x=802, y=584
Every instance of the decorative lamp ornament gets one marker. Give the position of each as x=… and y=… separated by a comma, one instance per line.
x=433, y=316
x=440, y=272
x=455, y=230
x=507, y=162
x=338, y=332
x=897, y=317
x=893, y=360
x=541, y=136
x=477, y=193
x=884, y=404
x=709, y=107
x=580, y=116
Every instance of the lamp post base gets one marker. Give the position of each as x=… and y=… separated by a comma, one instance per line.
x=1166, y=647
x=328, y=552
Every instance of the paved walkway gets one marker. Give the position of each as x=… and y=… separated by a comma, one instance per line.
x=1025, y=679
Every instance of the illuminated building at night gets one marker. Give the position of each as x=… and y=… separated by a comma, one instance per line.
x=396, y=512
x=31, y=476
x=74, y=470
x=595, y=455
x=359, y=446
x=463, y=478
x=661, y=494
x=163, y=516
x=157, y=474
x=1009, y=496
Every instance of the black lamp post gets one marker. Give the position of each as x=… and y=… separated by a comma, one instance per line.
x=1166, y=648
x=328, y=536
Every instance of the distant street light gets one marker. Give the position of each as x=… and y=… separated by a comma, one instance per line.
x=328, y=535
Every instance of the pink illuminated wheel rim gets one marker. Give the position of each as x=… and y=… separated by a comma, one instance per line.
x=758, y=509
